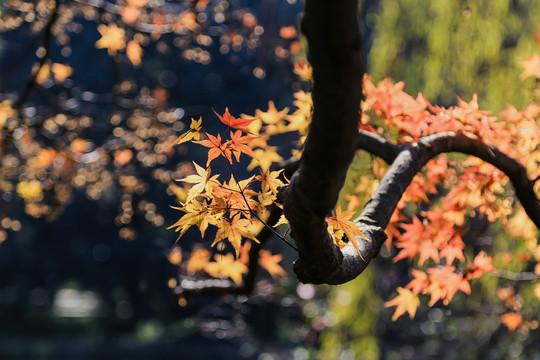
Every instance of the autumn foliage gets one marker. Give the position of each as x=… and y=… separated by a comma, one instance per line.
x=429, y=227
x=458, y=189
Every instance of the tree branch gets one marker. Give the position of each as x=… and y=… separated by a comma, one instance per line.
x=47, y=43
x=378, y=146
x=378, y=210
x=335, y=55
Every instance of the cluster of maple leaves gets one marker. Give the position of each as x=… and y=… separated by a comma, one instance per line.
x=457, y=188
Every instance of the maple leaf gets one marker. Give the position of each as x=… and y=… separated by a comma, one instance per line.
x=339, y=223
x=198, y=260
x=481, y=264
x=198, y=214
x=270, y=263
x=231, y=121
x=216, y=148
x=112, y=38
x=304, y=70
x=193, y=133
x=233, y=230
x=410, y=240
x=235, y=194
x=512, y=320
x=282, y=221
x=531, y=66
x=226, y=266
x=202, y=182
x=272, y=116
x=444, y=283
x=453, y=250
x=61, y=72
x=406, y=301
x=269, y=180
x=237, y=144
x=419, y=283
x=264, y=158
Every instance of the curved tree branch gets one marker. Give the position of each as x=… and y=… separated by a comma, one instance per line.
x=378, y=210
x=334, y=52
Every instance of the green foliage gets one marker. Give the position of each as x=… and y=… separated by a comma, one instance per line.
x=356, y=308
x=445, y=48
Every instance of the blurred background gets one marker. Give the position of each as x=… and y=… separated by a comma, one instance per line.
x=85, y=194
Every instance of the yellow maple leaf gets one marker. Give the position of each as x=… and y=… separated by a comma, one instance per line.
x=198, y=214
x=264, y=158
x=61, y=72
x=193, y=133
x=202, y=181
x=226, y=266
x=271, y=116
x=406, y=301
x=339, y=224
x=198, y=260
x=112, y=38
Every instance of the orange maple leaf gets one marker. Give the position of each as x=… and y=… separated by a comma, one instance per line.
x=231, y=121
x=270, y=263
x=481, y=264
x=419, y=283
x=233, y=230
x=512, y=320
x=237, y=144
x=269, y=180
x=406, y=301
x=531, y=66
x=216, y=148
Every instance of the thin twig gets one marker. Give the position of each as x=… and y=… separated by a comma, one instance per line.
x=515, y=276
x=47, y=43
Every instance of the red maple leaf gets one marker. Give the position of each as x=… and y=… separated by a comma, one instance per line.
x=231, y=121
